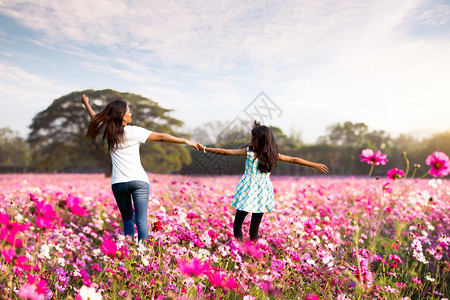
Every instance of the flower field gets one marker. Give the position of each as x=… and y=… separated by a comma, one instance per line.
x=328, y=238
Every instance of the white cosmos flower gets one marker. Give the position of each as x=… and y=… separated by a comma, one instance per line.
x=89, y=293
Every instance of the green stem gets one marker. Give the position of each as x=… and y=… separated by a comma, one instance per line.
x=413, y=173
x=407, y=165
x=371, y=169
x=423, y=176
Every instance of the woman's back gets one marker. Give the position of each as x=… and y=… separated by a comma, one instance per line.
x=126, y=160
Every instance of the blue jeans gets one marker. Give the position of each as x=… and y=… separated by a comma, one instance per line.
x=139, y=191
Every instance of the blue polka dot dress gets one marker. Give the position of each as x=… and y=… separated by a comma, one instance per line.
x=254, y=191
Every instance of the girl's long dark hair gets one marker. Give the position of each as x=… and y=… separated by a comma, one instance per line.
x=265, y=147
x=109, y=120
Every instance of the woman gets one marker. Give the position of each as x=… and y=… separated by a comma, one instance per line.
x=129, y=182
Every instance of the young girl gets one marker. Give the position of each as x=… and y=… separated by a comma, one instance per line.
x=129, y=182
x=254, y=192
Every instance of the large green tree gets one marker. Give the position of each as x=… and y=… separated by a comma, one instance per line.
x=58, y=143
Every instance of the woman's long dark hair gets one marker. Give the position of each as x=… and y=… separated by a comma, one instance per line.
x=265, y=147
x=109, y=120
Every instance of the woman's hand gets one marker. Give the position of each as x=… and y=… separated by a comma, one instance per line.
x=321, y=168
x=192, y=144
x=85, y=99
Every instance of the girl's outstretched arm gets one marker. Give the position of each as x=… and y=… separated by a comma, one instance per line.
x=85, y=101
x=297, y=160
x=242, y=151
x=167, y=138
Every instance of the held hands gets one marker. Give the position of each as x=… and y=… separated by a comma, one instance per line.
x=321, y=168
x=192, y=144
x=201, y=147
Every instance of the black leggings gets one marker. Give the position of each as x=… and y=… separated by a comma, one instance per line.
x=254, y=225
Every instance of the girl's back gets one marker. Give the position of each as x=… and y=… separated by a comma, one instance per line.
x=251, y=166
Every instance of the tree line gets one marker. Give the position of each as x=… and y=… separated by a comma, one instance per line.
x=57, y=143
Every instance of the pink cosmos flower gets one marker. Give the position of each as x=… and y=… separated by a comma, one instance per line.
x=28, y=291
x=9, y=230
x=395, y=173
x=269, y=289
x=416, y=280
x=370, y=157
x=217, y=279
x=109, y=247
x=440, y=164
x=312, y=297
x=395, y=258
x=309, y=225
x=387, y=188
x=45, y=215
x=251, y=249
x=231, y=284
x=193, y=268
x=40, y=284
x=19, y=261
x=73, y=203
x=33, y=289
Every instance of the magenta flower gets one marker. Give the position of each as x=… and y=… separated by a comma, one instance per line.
x=9, y=230
x=218, y=280
x=312, y=297
x=28, y=291
x=34, y=289
x=9, y=255
x=231, y=284
x=109, y=247
x=440, y=164
x=395, y=173
x=372, y=158
x=269, y=289
x=387, y=187
x=193, y=268
x=251, y=249
x=395, y=258
x=45, y=215
x=40, y=284
x=73, y=203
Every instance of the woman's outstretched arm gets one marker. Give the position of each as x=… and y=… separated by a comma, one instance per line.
x=85, y=101
x=242, y=151
x=167, y=138
x=297, y=160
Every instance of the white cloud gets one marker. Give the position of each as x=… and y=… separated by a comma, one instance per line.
x=438, y=15
x=334, y=60
x=18, y=83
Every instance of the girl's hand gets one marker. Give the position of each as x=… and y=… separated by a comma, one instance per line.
x=321, y=168
x=201, y=147
x=85, y=99
x=192, y=144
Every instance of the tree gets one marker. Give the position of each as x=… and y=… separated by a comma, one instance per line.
x=14, y=151
x=58, y=141
x=350, y=134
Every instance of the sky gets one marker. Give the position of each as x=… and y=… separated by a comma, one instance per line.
x=297, y=65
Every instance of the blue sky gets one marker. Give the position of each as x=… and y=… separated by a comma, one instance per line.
x=384, y=63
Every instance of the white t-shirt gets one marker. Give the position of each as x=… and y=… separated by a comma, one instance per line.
x=126, y=161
